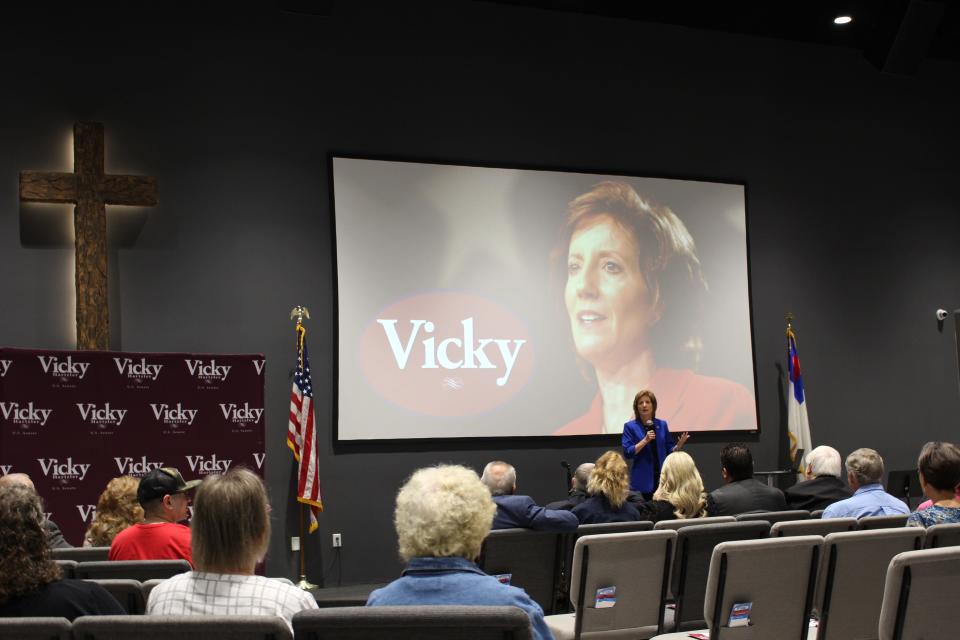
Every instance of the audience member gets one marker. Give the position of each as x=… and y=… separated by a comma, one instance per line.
x=231, y=532
x=741, y=491
x=31, y=583
x=607, y=490
x=939, y=468
x=578, y=488
x=443, y=514
x=521, y=511
x=823, y=481
x=864, y=472
x=163, y=495
x=117, y=509
x=55, y=539
x=680, y=494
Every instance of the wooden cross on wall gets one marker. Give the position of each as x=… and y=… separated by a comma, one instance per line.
x=90, y=189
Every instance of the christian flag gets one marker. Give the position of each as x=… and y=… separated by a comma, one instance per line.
x=301, y=435
x=797, y=422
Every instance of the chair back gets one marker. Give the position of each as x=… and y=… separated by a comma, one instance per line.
x=882, y=522
x=920, y=595
x=69, y=567
x=686, y=522
x=774, y=516
x=691, y=565
x=131, y=569
x=817, y=513
x=433, y=622
x=147, y=586
x=812, y=527
x=129, y=593
x=209, y=627
x=531, y=558
x=850, y=589
x=81, y=554
x=613, y=560
x=776, y=575
x=35, y=629
x=942, y=535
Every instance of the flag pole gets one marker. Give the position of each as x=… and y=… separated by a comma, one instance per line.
x=300, y=312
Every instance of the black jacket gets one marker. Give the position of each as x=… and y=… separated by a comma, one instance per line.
x=818, y=493
x=746, y=495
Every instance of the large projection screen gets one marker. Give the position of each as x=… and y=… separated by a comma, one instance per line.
x=493, y=302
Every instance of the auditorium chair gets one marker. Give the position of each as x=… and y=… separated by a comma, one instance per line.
x=882, y=522
x=850, y=587
x=618, y=560
x=35, y=629
x=81, y=554
x=691, y=565
x=774, y=516
x=531, y=558
x=920, y=595
x=686, y=522
x=812, y=527
x=228, y=627
x=131, y=569
x=129, y=593
x=942, y=535
x=69, y=567
x=433, y=622
x=817, y=513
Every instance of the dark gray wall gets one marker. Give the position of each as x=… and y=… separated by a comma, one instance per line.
x=852, y=201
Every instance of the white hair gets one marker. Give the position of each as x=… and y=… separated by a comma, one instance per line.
x=825, y=461
x=500, y=478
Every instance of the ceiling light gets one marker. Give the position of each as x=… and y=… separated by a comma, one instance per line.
x=842, y=20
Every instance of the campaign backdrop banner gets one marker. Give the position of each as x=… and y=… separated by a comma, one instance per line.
x=72, y=420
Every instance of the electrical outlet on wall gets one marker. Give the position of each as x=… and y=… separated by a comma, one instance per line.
x=337, y=541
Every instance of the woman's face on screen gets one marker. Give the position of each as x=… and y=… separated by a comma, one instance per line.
x=606, y=295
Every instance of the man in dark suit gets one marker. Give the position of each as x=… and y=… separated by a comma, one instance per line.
x=578, y=488
x=515, y=511
x=822, y=485
x=741, y=492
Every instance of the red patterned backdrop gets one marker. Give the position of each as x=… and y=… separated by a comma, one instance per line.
x=73, y=420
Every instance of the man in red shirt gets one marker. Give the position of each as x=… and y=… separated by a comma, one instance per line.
x=163, y=496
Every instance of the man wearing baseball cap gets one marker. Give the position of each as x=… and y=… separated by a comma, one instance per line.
x=163, y=495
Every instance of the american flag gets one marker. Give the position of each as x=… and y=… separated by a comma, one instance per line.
x=301, y=435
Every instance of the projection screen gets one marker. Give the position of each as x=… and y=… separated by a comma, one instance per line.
x=493, y=302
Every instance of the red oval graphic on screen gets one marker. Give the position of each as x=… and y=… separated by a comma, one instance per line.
x=446, y=354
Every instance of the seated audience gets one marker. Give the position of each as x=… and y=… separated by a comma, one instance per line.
x=578, y=488
x=939, y=468
x=117, y=509
x=680, y=495
x=515, y=511
x=163, y=495
x=864, y=472
x=823, y=481
x=741, y=491
x=607, y=490
x=55, y=539
x=443, y=514
x=231, y=532
x=31, y=583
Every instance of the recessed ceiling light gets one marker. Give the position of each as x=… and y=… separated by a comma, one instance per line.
x=842, y=20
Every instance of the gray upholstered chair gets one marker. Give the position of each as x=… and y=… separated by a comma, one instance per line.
x=850, y=587
x=147, y=586
x=433, y=622
x=817, y=513
x=774, y=516
x=230, y=627
x=812, y=527
x=679, y=524
x=636, y=564
x=69, y=567
x=691, y=565
x=532, y=558
x=131, y=569
x=942, y=535
x=129, y=593
x=35, y=629
x=920, y=595
x=81, y=554
x=882, y=522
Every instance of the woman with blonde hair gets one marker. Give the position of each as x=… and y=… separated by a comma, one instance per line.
x=607, y=489
x=117, y=509
x=681, y=494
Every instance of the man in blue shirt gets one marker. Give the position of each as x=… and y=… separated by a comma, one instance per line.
x=522, y=512
x=864, y=473
x=443, y=514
